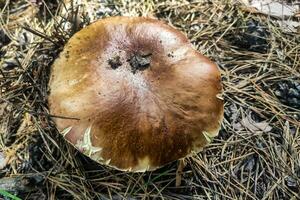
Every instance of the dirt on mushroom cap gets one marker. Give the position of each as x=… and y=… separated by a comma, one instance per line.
x=143, y=108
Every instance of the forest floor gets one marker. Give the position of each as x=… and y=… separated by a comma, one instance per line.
x=255, y=156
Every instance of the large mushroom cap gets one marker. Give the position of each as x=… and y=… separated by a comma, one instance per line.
x=140, y=94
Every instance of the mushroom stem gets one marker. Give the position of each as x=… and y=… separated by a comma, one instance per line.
x=181, y=166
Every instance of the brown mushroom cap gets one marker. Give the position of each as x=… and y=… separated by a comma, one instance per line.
x=142, y=95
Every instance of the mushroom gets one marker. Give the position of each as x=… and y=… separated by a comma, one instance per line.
x=132, y=93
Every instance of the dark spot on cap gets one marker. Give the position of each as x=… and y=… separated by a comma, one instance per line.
x=139, y=62
x=115, y=62
x=170, y=55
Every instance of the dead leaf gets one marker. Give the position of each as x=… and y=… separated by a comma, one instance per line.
x=250, y=124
